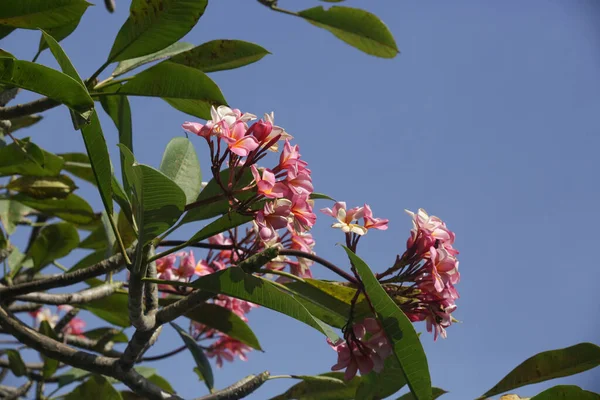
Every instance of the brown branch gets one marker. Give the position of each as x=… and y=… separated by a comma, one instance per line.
x=110, y=264
x=23, y=307
x=140, y=342
x=94, y=345
x=84, y=296
x=21, y=110
x=16, y=393
x=240, y=389
x=181, y=306
x=164, y=355
x=80, y=359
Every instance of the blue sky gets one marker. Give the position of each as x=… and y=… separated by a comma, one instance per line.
x=488, y=119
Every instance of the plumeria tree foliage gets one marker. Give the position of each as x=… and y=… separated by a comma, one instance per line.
x=253, y=216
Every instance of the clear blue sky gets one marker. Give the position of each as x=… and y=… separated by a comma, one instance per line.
x=488, y=119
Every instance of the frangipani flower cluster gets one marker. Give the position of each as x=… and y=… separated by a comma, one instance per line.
x=74, y=327
x=365, y=349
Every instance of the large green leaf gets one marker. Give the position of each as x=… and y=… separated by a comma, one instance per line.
x=53, y=242
x=566, y=392
x=180, y=163
x=61, y=57
x=98, y=333
x=24, y=122
x=174, y=82
x=112, y=309
x=226, y=321
x=153, y=25
x=15, y=362
x=436, y=392
x=25, y=158
x=315, y=389
x=227, y=221
x=59, y=33
x=199, y=356
x=71, y=209
x=72, y=375
x=219, y=55
x=215, y=203
x=95, y=388
x=79, y=165
x=358, y=28
x=159, y=202
x=399, y=330
x=96, y=240
x=11, y=213
x=128, y=65
x=118, y=109
x=549, y=365
x=47, y=81
x=95, y=145
x=33, y=14
x=43, y=187
x=236, y=283
x=381, y=385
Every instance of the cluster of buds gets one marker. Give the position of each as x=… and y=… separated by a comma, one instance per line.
x=75, y=326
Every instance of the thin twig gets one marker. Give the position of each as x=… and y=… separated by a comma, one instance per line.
x=84, y=296
x=21, y=110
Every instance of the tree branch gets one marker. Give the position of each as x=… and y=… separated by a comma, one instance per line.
x=84, y=296
x=33, y=107
x=110, y=264
x=240, y=389
x=79, y=359
x=181, y=306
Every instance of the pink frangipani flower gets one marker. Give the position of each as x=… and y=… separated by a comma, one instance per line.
x=237, y=140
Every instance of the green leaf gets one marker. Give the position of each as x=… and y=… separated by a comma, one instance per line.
x=5, y=31
x=153, y=25
x=50, y=364
x=95, y=145
x=313, y=389
x=159, y=202
x=89, y=260
x=16, y=259
x=72, y=375
x=399, y=330
x=161, y=383
x=384, y=384
x=549, y=365
x=214, y=201
x=95, y=388
x=566, y=392
x=118, y=109
x=79, y=165
x=219, y=55
x=47, y=81
x=59, y=33
x=71, y=209
x=24, y=122
x=98, y=333
x=128, y=65
x=33, y=14
x=358, y=28
x=226, y=321
x=236, y=283
x=67, y=67
x=26, y=158
x=112, y=309
x=436, y=392
x=320, y=196
x=227, y=221
x=180, y=163
x=53, y=242
x=15, y=362
x=96, y=240
x=11, y=213
x=43, y=187
x=174, y=82
x=61, y=57
x=199, y=356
